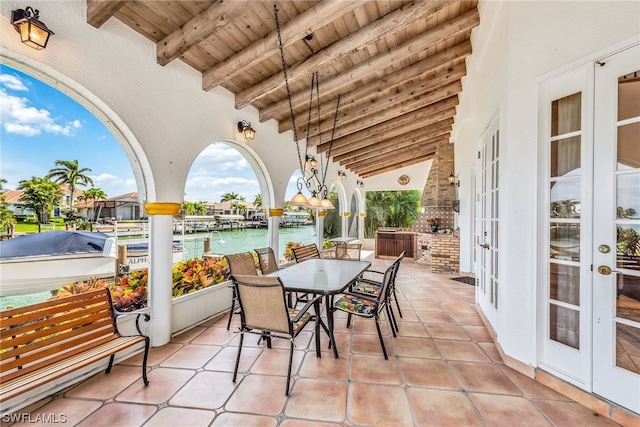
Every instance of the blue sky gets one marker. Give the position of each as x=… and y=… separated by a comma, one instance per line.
x=39, y=125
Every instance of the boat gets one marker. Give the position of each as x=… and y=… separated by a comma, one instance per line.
x=46, y=261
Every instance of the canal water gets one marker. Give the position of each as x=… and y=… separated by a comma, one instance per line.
x=235, y=241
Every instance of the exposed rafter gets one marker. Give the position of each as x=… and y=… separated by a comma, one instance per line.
x=397, y=65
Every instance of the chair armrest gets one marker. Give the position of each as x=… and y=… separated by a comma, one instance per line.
x=138, y=313
x=305, y=308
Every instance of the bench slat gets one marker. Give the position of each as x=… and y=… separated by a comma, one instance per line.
x=36, y=332
x=17, y=324
x=36, y=310
x=70, y=345
x=24, y=383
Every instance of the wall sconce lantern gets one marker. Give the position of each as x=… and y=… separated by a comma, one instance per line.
x=342, y=175
x=33, y=32
x=360, y=183
x=245, y=127
x=452, y=180
x=312, y=161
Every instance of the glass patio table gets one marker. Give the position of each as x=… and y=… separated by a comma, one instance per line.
x=322, y=276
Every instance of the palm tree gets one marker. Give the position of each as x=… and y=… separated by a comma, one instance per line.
x=231, y=196
x=94, y=194
x=7, y=219
x=257, y=202
x=194, y=208
x=69, y=172
x=41, y=195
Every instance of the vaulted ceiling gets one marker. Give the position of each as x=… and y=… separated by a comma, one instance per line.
x=395, y=66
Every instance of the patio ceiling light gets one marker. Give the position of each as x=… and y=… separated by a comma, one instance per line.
x=33, y=32
x=245, y=127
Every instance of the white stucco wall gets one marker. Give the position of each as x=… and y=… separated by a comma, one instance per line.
x=516, y=44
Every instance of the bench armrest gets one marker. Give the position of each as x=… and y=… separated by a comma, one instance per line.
x=138, y=313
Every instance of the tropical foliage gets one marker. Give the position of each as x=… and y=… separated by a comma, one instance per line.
x=332, y=221
x=130, y=292
x=7, y=219
x=70, y=173
x=40, y=195
x=92, y=195
x=391, y=209
x=194, y=208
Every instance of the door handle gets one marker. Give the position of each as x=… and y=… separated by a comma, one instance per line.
x=605, y=270
x=484, y=245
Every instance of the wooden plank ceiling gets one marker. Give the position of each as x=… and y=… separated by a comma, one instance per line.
x=396, y=65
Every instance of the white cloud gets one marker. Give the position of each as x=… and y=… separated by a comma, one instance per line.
x=20, y=118
x=12, y=82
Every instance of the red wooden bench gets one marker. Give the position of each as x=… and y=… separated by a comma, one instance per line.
x=45, y=341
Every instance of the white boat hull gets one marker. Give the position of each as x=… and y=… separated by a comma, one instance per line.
x=19, y=276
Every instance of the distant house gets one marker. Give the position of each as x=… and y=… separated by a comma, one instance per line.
x=122, y=207
x=229, y=208
x=13, y=199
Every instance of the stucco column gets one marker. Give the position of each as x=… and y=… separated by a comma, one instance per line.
x=273, y=224
x=320, y=229
x=160, y=269
x=345, y=223
x=361, y=217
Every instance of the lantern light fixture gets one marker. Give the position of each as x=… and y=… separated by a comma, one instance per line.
x=342, y=175
x=360, y=183
x=312, y=161
x=452, y=180
x=33, y=32
x=245, y=127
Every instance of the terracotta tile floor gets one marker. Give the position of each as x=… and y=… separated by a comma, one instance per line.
x=443, y=370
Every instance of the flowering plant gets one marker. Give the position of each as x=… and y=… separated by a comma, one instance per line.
x=434, y=222
x=129, y=292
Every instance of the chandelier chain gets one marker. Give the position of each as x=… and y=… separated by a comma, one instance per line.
x=286, y=81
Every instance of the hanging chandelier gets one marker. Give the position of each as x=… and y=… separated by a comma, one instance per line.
x=312, y=178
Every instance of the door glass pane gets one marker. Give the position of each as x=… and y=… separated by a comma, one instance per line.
x=564, y=241
x=628, y=196
x=629, y=96
x=565, y=199
x=565, y=156
x=628, y=247
x=628, y=347
x=629, y=146
x=564, y=283
x=564, y=324
x=565, y=114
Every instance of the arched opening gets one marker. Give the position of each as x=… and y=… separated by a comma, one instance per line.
x=49, y=122
x=226, y=190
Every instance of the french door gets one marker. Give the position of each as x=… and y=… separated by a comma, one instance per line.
x=616, y=230
x=487, y=223
x=590, y=301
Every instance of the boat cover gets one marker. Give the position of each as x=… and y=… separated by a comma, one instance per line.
x=52, y=243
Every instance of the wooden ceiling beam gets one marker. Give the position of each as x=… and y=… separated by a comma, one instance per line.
x=421, y=117
x=380, y=93
x=99, y=11
x=397, y=166
x=419, y=144
x=296, y=29
x=369, y=167
x=220, y=14
x=374, y=115
x=347, y=46
x=409, y=139
x=399, y=102
x=418, y=71
x=376, y=165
